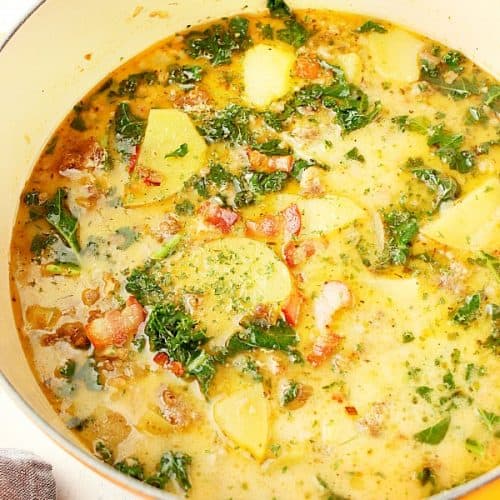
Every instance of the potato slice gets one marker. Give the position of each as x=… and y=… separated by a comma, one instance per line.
x=352, y=66
x=472, y=223
x=322, y=215
x=395, y=55
x=167, y=129
x=232, y=276
x=266, y=73
x=244, y=418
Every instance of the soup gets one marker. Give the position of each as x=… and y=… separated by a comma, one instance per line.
x=261, y=260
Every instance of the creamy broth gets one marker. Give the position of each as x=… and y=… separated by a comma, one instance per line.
x=261, y=260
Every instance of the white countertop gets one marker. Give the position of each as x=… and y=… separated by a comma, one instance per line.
x=74, y=480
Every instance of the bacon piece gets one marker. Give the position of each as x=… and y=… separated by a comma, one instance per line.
x=220, y=217
x=268, y=226
x=116, y=327
x=297, y=253
x=291, y=310
x=351, y=410
x=260, y=162
x=133, y=159
x=73, y=332
x=325, y=346
x=150, y=177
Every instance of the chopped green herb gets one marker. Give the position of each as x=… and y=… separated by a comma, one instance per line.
x=103, y=452
x=446, y=188
x=267, y=31
x=42, y=241
x=218, y=42
x=185, y=76
x=271, y=147
x=128, y=87
x=453, y=59
x=474, y=447
x=129, y=129
x=290, y=392
x=449, y=381
x=469, y=310
x=68, y=369
x=371, y=26
x=173, y=465
x=278, y=8
x=180, y=152
x=131, y=467
x=490, y=419
x=250, y=367
x=229, y=124
x=424, y=392
x=402, y=228
x=354, y=154
x=184, y=207
x=435, y=433
x=294, y=33
x=492, y=98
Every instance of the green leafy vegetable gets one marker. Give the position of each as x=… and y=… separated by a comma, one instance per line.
x=474, y=446
x=128, y=87
x=129, y=129
x=172, y=330
x=469, y=310
x=449, y=381
x=266, y=31
x=475, y=114
x=68, y=369
x=294, y=33
x=145, y=283
x=219, y=175
x=229, y=124
x=290, y=392
x=103, y=452
x=426, y=475
x=184, y=207
x=250, y=367
x=173, y=465
x=131, y=467
x=218, y=42
x=453, y=59
x=180, y=152
x=446, y=188
x=371, y=26
x=492, y=98
x=402, y=227
x=424, y=392
x=185, y=76
x=260, y=335
x=460, y=88
x=278, y=8
x=40, y=242
x=354, y=154
x=434, y=434
x=129, y=236
x=490, y=419
x=271, y=147
x=51, y=145
x=62, y=220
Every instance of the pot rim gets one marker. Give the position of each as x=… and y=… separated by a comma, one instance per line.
x=130, y=484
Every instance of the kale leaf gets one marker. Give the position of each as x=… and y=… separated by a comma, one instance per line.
x=185, y=76
x=271, y=147
x=172, y=330
x=145, y=284
x=129, y=129
x=402, y=227
x=229, y=124
x=492, y=98
x=131, y=467
x=294, y=33
x=218, y=42
x=179, y=152
x=173, y=465
x=290, y=392
x=128, y=87
x=278, y=8
x=41, y=242
x=62, y=220
x=468, y=312
x=371, y=26
x=446, y=188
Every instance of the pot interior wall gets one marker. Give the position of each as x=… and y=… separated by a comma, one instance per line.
x=46, y=68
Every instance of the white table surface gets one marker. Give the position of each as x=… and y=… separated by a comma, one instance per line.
x=74, y=480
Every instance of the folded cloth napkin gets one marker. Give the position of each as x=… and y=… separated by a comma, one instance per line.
x=24, y=476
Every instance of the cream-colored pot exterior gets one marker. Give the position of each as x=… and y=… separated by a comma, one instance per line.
x=44, y=72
